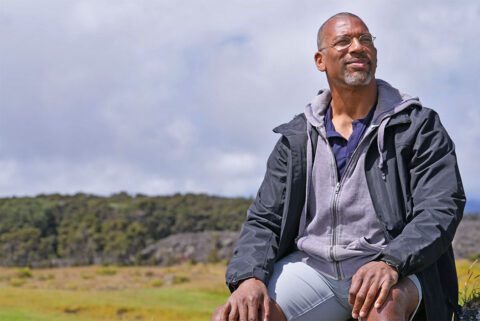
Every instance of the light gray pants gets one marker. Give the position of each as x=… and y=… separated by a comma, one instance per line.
x=304, y=294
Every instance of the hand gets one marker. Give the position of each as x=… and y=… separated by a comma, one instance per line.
x=245, y=303
x=366, y=283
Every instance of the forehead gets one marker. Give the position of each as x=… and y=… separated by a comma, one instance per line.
x=344, y=25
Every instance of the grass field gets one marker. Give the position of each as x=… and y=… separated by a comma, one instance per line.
x=180, y=293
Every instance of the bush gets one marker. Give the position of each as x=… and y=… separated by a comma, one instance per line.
x=157, y=283
x=23, y=273
x=16, y=282
x=106, y=270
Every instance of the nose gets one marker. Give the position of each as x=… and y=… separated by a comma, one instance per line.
x=356, y=45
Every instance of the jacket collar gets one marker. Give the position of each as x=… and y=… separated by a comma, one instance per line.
x=390, y=103
x=297, y=126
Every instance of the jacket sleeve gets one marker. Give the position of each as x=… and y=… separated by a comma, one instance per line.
x=438, y=200
x=257, y=245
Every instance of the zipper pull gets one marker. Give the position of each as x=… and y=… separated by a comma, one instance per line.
x=337, y=188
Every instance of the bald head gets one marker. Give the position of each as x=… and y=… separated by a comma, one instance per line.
x=320, y=35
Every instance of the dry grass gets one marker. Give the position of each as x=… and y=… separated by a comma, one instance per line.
x=179, y=293
x=185, y=292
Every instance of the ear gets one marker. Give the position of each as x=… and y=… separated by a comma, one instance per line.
x=319, y=61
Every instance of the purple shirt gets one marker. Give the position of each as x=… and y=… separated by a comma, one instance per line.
x=343, y=149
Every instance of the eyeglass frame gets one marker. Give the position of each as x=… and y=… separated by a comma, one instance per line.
x=351, y=41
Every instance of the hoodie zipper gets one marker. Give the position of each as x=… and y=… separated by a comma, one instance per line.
x=335, y=200
x=334, y=229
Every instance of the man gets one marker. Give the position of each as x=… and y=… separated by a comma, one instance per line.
x=359, y=204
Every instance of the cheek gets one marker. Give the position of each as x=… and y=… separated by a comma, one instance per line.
x=374, y=57
x=334, y=65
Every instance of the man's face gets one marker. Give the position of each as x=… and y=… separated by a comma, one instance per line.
x=352, y=66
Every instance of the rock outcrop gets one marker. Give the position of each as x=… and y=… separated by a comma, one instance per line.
x=208, y=246
x=213, y=246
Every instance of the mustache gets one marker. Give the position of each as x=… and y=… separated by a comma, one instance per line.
x=358, y=58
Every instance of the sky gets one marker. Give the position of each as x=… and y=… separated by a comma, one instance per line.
x=158, y=97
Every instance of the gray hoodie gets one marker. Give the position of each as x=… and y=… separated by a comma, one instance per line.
x=339, y=229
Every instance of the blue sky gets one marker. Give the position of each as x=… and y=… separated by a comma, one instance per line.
x=158, y=97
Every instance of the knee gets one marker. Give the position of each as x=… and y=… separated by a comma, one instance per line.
x=398, y=306
x=217, y=314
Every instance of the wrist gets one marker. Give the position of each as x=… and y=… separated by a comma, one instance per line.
x=391, y=264
x=249, y=280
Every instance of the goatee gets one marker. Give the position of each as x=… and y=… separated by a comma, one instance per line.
x=358, y=78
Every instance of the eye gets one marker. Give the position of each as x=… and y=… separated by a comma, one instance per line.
x=342, y=42
x=366, y=40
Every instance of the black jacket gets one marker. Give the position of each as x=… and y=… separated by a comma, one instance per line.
x=417, y=195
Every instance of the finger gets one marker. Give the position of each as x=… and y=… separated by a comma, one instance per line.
x=359, y=299
x=243, y=311
x=382, y=297
x=253, y=310
x=266, y=308
x=226, y=312
x=233, y=315
x=354, y=288
x=369, y=299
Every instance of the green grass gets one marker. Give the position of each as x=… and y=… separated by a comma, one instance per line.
x=129, y=294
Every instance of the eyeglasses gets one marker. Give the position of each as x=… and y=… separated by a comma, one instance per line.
x=344, y=42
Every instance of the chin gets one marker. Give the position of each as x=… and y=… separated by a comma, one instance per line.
x=358, y=78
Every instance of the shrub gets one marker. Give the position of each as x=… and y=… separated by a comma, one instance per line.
x=157, y=283
x=106, y=270
x=23, y=273
x=16, y=282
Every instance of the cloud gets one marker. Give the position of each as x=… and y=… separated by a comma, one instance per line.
x=164, y=96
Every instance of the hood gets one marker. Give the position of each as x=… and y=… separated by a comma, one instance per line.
x=389, y=102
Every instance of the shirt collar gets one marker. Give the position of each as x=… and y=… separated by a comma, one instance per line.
x=330, y=128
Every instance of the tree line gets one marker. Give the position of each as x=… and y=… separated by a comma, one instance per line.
x=83, y=229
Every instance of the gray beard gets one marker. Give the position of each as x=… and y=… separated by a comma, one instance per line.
x=358, y=78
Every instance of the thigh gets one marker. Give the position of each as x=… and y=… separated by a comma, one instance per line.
x=303, y=294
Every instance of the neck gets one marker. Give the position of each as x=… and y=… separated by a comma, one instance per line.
x=353, y=102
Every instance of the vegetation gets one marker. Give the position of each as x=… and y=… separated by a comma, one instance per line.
x=188, y=292
x=470, y=294
x=183, y=292
x=59, y=230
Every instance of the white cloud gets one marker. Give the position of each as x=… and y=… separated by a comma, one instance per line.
x=166, y=96
x=234, y=163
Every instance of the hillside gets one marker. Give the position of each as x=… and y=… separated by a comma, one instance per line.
x=57, y=230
